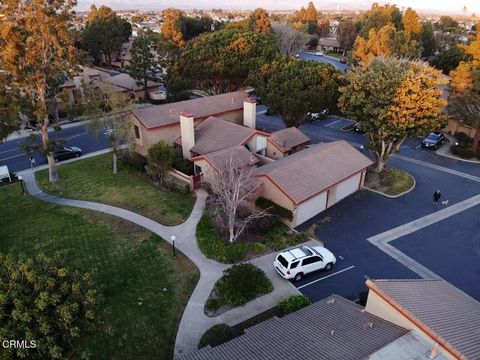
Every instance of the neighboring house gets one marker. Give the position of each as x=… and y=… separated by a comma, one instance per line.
x=130, y=86
x=162, y=122
x=314, y=179
x=435, y=309
x=329, y=44
x=455, y=126
x=285, y=142
x=332, y=328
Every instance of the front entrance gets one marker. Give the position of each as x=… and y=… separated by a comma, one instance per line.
x=197, y=181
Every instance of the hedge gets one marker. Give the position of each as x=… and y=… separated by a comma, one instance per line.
x=242, y=283
x=274, y=208
x=216, y=335
x=214, y=247
x=293, y=303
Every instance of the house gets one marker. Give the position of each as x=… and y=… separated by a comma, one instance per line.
x=312, y=180
x=332, y=328
x=130, y=86
x=285, y=142
x=162, y=122
x=433, y=308
x=329, y=44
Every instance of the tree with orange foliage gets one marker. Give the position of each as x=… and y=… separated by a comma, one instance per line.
x=379, y=43
x=171, y=26
x=411, y=23
x=259, y=21
x=394, y=99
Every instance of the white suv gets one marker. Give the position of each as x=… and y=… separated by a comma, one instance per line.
x=299, y=261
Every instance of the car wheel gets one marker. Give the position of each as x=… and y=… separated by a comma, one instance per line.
x=298, y=277
x=77, y=155
x=328, y=267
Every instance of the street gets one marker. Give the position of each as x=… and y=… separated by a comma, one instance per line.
x=309, y=56
x=12, y=155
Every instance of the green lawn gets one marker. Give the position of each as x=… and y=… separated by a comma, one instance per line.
x=129, y=265
x=92, y=179
x=392, y=181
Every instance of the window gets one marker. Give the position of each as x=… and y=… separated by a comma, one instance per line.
x=294, y=265
x=137, y=131
x=311, y=260
x=282, y=261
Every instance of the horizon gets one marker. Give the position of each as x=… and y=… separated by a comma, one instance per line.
x=440, y=6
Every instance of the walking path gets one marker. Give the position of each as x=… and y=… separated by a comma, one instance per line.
x=194, y=322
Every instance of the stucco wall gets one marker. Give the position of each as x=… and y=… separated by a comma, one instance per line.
x=379, y=307
x=454, y=126
x=273, y=152
x=207, y=169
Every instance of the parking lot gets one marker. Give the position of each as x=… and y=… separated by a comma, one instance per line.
x=450, y=248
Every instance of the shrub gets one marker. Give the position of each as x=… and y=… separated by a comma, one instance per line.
x=274, y=208
x=214, y=247
x=387, y=177
x=133, y=159
x=213, y=304
x=160, y=160
x=242, y=283
x=177, y=185
x=464, y=151
x=183, y=165
x=463, y=139
x=216, y=335
x=293, y=303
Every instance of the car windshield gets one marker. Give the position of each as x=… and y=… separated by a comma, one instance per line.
x=282, y=261
x=433, y=136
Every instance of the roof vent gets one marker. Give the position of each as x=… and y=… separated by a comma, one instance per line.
x=433, y=352
x=369, y=325
x=332, y=332
x=331, y=301
x=233, y=100
x=172, y=112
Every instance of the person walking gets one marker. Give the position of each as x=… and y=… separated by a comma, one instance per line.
x=436, y=196
x=32, y=162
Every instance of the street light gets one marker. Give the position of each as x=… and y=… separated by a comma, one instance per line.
x=20, y=178
x=173, y=238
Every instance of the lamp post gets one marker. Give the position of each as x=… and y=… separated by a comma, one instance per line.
x=22, y=184
x=173, y=238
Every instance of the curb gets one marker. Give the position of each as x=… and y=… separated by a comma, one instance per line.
x=457, y=158
x=393, y=196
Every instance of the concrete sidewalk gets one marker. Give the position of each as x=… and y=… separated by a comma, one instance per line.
x=194, y=322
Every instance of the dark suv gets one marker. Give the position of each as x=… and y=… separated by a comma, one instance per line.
x=434, y=140
x=66, y=152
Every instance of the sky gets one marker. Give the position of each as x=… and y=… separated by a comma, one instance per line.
x=438, y=5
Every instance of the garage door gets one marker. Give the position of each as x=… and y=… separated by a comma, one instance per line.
x=348, y=187
x=310, y=208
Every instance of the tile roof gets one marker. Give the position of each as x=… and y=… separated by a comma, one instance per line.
x=287, y=138
x=451, y=316
x=215, y=134
x=332, y=328
x=239, y=155
x=127, y=82
x=167, y=114
x=315, y=169
x=333, y=42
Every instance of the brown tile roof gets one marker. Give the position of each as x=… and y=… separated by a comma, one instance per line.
x=166, y=114
x=333, y=42
x=315, y=169
x=215, y=134
x=239, y=155
x=332, y=328
x=287, y=138
x=448, y=314
x=127, y=82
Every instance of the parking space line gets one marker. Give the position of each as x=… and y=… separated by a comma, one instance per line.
x=333, y=123
x=325, y=277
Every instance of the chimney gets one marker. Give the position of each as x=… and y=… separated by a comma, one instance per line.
x=250, y=113
x=187, y=131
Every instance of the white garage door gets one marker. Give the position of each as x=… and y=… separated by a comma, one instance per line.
x=348, y=187
x=310, y=208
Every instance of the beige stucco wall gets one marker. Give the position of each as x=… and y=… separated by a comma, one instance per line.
x=454, y=126
x=273, y=152
x=207, y=170
x=379, y=307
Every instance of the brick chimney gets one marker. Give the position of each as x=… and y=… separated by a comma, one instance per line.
x=250, y=113
x=187, y=131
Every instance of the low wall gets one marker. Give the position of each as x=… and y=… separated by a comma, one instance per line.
x=183, y=177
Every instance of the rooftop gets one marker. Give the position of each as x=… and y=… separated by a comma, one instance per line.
x=450, y=316
x=332, y=328
x=167, y=114
x=127, y=82
x=239, y=155
x=315, y=169
x=288, y=138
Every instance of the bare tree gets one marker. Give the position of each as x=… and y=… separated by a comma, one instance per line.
x=289, y=40
x=108, y=110
x=234, y=186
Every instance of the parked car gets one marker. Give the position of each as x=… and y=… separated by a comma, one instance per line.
x=319, y=53
x=434, y=140
x=297, y=262
x=358, y=127
x=297, y=56
x=343, y=60
x=316, y=116
x=66, y=152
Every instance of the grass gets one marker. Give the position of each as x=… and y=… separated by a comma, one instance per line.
x=129, y=265
x=391, y=181
x=92, y=179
